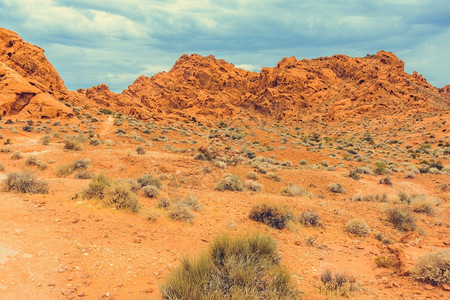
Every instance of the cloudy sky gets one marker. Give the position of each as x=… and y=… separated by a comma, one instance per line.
x=113, y=42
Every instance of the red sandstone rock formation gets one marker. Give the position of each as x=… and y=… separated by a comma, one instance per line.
x=29, y=85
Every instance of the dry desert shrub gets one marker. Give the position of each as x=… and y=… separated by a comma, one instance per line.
x=434, y=268
x=140, y=150
x=241, y=267
x=117, y=193
x=149, y=180
x=293, y=190
x=72, y=144
x=383, y=261
x=336, y=284
x=2, y=167
x=424, y=204
x=150, y=191
x=274, y=215
x=25, y=182
x=309, y=218
x=191, y=202
x=181, y=213
x=252, y=175
x=357, y=227
x=336, y=188
x=254, y=186
x=230, y=182
x=16, y=155
x=401, y=218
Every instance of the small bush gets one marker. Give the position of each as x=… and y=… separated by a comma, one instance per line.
x=309, y=218
x=273, y=176
x=383, y=261
x=17, y=155
x=424, y=204
x=253, y=186
x=149, y=180
x=81, y=164
x=271, y=214
x=336, y=188
x=433, y=268
x=337, y=283
x=33, y=161
x=163, y=203
x=354, y=174
x=97, y=187
x=380, y=167
x=64, y=170
x=230, y=182
x=401, y=218
x=120, y=196
x=2, y=167
x=183, y=213
x=25, y=182
x=385, y=180
x=72, y=144
x=150, y=191
x=140, y=150
x=252, y=175
x=83, y=174
x=357, y=227
x=243, y=267
x=190, y=202
x=293, y=190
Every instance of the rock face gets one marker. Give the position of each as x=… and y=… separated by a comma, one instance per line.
x=327, y=88
x=445, y=91
x=29, y=85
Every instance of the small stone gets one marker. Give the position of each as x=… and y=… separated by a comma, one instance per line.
x=81, y=294
x=428, y=287
x=446, y=287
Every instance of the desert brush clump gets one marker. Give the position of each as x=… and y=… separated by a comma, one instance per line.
x=230, y=182
x=424, y=204
x=433, y=268
x=336, y=283
x=147, y=180
x=25, y=182
x=401, y=218
x=116, y=193
x=240, y=267
x=272, y=214
x=252, y=185
x=309, y=218
x=191, y=202
x=181, y=213
x=292, y=190
x=150, y=191
x=336, y=188
x=357, y=227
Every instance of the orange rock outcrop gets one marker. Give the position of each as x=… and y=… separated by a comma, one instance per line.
x=29, y=85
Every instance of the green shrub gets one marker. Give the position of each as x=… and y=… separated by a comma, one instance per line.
x=401, y=218
x=244, y=267
x=380, y=167
x=274, y=215
x=433, y=268
x=120, y=196
x=357, y=227
x=230, y=182
x=25, y=182
x=97, y=187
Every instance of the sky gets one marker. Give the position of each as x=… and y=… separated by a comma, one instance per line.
x=110, y=41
